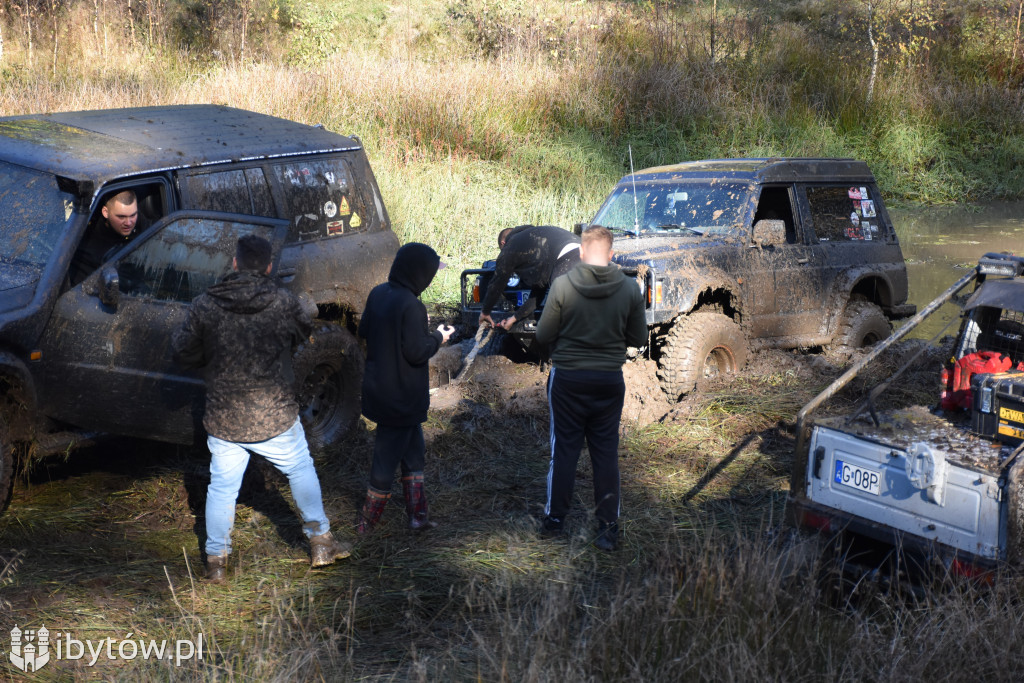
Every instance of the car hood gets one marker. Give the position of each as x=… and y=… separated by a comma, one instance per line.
x=17, y=286
x=641, y=249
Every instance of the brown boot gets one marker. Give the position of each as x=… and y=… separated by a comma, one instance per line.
x=217, y=569
x=372, y=510
x=416, y=502
x=325, y=549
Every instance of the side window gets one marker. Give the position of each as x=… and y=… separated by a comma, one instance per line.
x=321, y=199
x=775, y=204
x=184, y=258
x=236, y=191
x=843, y=214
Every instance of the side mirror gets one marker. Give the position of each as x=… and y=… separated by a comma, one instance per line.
x=769, y=231
x=110, y=288
x=579, y=228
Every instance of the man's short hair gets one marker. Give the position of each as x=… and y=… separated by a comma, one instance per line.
x=253, y=253
x=597, y=233
x=126, y=197
x=503, y=236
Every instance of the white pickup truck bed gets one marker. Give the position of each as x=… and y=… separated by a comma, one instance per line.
x=949, y=493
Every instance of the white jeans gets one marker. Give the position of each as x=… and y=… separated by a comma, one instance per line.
x=289, y=453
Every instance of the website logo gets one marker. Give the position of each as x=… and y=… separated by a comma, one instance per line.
x=30, y=649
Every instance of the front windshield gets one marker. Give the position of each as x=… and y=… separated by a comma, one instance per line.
x=33, y=213
x=695, y=207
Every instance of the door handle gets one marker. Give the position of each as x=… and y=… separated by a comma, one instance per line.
x=287, y=274
x=803, y=260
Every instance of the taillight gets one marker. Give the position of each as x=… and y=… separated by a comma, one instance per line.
x=969, y=570
x=815, y=520
x=476, y=291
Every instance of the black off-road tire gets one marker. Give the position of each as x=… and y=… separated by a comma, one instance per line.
x=701, y=346
x=863, y=324
x=328, y=384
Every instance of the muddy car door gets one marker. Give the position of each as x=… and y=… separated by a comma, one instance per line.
x=792, y=298
x=107, y=347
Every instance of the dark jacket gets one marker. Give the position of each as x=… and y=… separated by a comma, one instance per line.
x=531, y=252
x=591, y=316
x=100, y=239
x=396, y=382
x=243, y=330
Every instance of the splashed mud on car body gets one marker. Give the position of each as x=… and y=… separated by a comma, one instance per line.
x=78, y=358
x=747, y=253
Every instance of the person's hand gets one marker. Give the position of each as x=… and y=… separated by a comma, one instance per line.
x=446, y=332
x=484, y=318
x=508, y=322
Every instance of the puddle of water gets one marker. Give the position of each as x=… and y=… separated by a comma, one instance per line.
x=941, y=243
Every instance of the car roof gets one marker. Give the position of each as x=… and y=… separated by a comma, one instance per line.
x=98, y=146
x=764, y=170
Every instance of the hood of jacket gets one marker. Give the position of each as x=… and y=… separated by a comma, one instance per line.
x=415, y=265
x=244, y=292
x=596, y=282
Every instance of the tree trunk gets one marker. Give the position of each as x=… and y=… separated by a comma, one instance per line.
x=874, y=52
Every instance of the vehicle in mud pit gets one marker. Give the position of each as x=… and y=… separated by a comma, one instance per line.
x=901, y=494
x=94, y=357
x=744, y=253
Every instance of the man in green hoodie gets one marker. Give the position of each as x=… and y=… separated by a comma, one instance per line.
x=593, y=313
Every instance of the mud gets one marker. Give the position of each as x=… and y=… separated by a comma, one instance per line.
x=519, y=388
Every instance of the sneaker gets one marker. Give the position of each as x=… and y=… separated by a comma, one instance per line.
x=607, y=536
x=552, y=526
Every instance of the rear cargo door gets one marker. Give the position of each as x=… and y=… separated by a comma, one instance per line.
x=109, y=368
x=870, y=480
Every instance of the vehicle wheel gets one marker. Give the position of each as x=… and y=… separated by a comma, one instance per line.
x=701, y=346
x=328, y=384
x=862, y=324
x=6, y=466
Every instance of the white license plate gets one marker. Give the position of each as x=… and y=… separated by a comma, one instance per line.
x=860, y=478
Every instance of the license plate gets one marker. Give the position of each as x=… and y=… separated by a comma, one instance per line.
x=860, y=478
x=521, y=297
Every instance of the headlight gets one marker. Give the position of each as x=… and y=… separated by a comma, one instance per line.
x=513, y=281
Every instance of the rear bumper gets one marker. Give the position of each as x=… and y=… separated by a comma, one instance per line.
x=913, y=550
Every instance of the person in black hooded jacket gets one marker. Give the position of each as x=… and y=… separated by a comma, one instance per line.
x=538, y=254
x=396, y=382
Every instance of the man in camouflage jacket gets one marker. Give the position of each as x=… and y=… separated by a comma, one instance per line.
x=243, y=331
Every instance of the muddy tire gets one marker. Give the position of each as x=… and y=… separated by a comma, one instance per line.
x=862, y=324
x=701, y=346
x=328, y=384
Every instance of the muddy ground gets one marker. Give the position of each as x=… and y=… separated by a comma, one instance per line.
x=518, y=388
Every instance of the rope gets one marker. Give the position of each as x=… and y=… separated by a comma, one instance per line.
x=481, y=341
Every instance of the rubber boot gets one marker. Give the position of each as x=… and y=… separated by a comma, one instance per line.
x=416, y=502
x=217, y=569
x=325, y=549
x=372, y=510
x=607, y=536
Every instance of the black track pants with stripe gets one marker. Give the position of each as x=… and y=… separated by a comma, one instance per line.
x=585, y=404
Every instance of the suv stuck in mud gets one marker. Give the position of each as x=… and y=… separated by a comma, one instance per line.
x=913, y=494
x=94, y=357
x=740, y=253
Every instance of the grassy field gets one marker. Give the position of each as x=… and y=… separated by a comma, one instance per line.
x=706, y=585
x=480, y=114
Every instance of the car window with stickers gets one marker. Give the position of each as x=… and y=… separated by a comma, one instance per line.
x=843, y=213
x=322, y=199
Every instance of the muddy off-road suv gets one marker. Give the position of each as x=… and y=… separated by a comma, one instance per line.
x=740, y=253
x=79, y=359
